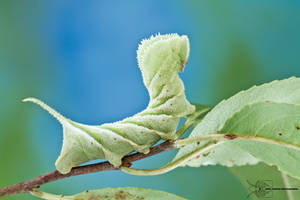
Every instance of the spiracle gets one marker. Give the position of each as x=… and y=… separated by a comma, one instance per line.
x=160, y=59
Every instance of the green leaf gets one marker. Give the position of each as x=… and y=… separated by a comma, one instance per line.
x=230, y=153
x=125, y=193
x=253, y=178
x=274, y=130
x=268, y=131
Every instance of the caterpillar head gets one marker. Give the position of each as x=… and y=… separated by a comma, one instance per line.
x=167, y=53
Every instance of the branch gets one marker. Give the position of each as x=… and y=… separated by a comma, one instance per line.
x=27, y=186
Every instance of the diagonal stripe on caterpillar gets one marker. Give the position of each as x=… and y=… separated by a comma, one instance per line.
x=160, y=58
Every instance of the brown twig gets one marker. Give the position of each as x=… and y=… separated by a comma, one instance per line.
x=27, y=186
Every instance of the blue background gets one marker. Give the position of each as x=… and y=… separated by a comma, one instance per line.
x=80, y=58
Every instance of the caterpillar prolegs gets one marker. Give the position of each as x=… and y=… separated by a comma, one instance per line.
x=160, y=58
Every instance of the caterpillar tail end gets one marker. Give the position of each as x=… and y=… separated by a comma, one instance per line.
x=53, y=112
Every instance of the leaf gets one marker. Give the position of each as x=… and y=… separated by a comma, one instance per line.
x=125, y=193
x=269, y=131
x=275, y=130
x=160, y=59
x=252, y=176
x=229, y=153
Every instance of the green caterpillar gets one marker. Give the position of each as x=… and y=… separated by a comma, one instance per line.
x=160, y=58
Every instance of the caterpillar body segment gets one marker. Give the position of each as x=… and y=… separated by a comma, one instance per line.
x=160, y=58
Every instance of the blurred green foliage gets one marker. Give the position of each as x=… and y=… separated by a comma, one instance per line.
x=20, y=58
x=236, y=44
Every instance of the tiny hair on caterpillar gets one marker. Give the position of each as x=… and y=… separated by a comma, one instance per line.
x=160, y=59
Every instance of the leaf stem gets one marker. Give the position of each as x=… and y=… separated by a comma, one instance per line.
x=172, y=165
x=184, y=128
x=190, y=121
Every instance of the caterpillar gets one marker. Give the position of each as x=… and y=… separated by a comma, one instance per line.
x=160, y=59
